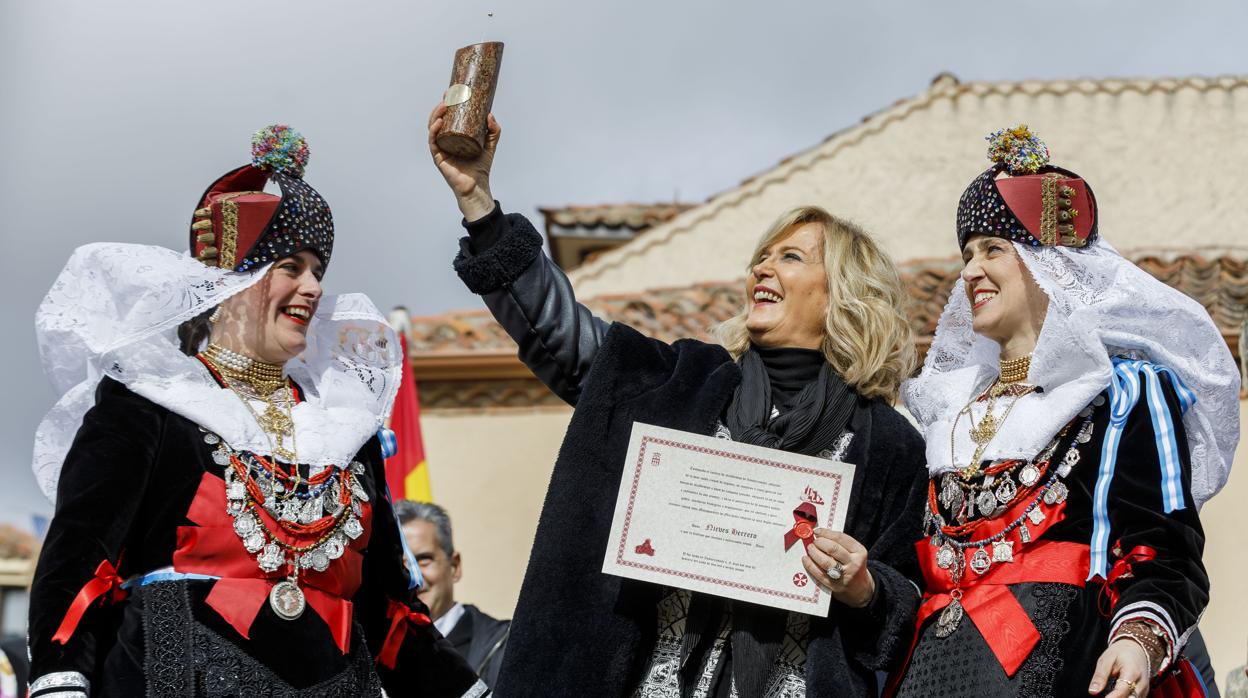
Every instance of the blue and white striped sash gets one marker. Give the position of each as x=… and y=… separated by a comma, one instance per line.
x=1124, y=394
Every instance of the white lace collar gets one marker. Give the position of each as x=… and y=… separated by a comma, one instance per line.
x=1100, y=305
x=114, y=311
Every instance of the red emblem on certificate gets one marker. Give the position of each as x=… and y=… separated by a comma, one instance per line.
x=805, y=518
x=728, y=515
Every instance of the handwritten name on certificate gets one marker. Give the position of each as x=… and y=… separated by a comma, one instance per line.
x=724, y=518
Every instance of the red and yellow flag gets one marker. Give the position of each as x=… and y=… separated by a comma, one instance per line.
x=407, y=473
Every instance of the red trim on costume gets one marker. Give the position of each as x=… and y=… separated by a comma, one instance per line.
x=1001, y=620
x=1122, y=570
x=211, y=547
x=401, y=616
x=213, y=370
x=104, y=581
x=988, y=602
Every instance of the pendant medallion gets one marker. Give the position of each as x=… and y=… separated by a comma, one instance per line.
x=987, y=502
x=1035, y=515
x=287, y=600
x=1056, y=494
x=949, y=619
x=981, y=562
x=1006, y=490
x=1003, y=551
x=1029, y=475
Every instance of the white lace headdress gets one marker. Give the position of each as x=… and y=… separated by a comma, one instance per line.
x=1100, y=305
x=114, y=311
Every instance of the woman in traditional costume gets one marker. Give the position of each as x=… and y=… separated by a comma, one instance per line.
x=1077, y=412
x=811, y=365
x=216, y=447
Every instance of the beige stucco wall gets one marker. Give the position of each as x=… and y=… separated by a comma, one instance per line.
x=1225, y=517
x=1166, y=159
x=490, y=469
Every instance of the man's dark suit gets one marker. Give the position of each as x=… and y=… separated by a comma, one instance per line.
x=481, y=640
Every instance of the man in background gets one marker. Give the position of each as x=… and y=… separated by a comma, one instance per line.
x=477, y=637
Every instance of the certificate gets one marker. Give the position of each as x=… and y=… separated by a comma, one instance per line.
x=720, y=517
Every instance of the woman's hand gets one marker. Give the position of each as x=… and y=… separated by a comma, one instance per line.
x=856, y=586
x=469, y=178
x=1128, y=663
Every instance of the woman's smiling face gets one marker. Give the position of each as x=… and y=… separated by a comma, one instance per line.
x=269, y=321
x=787, y=288
x=1007, y=306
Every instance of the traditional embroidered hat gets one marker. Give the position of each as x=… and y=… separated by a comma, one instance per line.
x=1037, y=204
x=237, y=226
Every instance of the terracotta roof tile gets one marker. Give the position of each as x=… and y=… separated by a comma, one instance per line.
x=16, y=543
x=632, y=216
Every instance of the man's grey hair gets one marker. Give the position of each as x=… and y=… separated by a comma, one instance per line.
x=408, y=511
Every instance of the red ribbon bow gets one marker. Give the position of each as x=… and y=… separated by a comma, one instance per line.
x=211, y=547
x=1122, y=570
x=804, y=520
x=988, y=602
x=103, y=582
x=401, y=617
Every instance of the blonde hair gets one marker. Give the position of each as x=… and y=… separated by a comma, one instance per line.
x=867, y=338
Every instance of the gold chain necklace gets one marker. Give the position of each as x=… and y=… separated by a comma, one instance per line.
x=1011, y=373
x=1015, y=370
x=264, y=378
x=276, y=421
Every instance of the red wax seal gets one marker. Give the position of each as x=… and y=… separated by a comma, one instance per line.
x=804, y=521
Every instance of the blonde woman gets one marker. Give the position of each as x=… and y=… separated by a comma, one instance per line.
x=813, y=363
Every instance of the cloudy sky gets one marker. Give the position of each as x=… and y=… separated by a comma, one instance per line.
x=115, y=116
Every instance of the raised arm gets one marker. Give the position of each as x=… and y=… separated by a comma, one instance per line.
x=502, y=260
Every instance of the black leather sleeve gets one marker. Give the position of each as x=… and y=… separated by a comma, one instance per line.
x=502, y=261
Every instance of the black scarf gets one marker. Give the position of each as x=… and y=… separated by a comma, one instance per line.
x=816, y=407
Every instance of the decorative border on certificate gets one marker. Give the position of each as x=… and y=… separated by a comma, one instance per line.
x=835, y=483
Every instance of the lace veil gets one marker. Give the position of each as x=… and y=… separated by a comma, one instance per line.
x=1100, y=305
x=114, y=311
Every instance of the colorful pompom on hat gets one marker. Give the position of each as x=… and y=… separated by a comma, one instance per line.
x=238, y=226
x=1024, y=198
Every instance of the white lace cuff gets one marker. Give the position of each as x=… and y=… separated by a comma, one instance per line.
x=60, y=684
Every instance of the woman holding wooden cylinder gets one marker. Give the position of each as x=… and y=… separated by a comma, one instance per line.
x=809, y=366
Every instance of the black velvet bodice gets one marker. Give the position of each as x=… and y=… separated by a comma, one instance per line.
x=125, y=491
